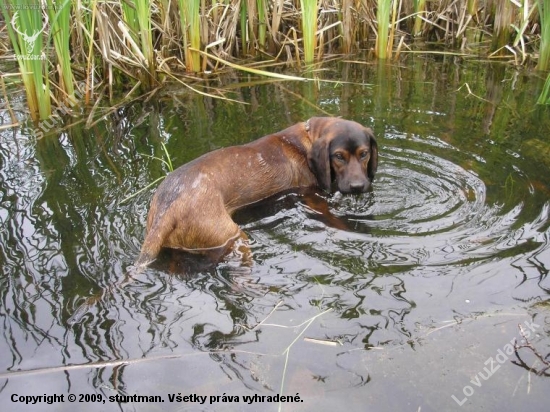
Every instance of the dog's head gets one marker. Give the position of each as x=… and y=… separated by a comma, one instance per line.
x=344, y=154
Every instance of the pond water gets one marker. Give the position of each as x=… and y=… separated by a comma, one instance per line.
x=414, y=307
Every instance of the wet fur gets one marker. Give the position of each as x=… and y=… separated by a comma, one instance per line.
x=192, y=208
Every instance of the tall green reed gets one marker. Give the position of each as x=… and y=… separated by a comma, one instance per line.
x=243, y=13
x=144, y=18
x=309, y=29
x=26, y=28
x=419, y=10
x=544, y=97
x=190, y=20
x=544, y=50
x=137, y=17
x=60, y=21
x=383, y=20
x=262, y=23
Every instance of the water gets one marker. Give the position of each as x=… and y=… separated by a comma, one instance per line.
x=402, y=311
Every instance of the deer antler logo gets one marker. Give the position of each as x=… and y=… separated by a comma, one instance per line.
x=29, y=40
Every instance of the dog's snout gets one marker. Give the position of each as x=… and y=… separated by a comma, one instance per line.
x=358, y=186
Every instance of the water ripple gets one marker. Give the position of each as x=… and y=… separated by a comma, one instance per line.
x=424, y=210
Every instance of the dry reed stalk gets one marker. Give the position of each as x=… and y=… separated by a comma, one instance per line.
x=87, y=31
x=223, y=20
x=367, y=16
x=503, y=19
x=330, y=28
x=348, y=32
x=252, y=20
x=278, y=7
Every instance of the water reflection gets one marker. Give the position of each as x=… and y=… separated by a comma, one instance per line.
x=455, y=229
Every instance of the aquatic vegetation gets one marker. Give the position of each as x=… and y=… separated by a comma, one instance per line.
x=26, y=28
x=190, y=26
x=544, y=97
x=101, y=48
x=544, y=51
x=59, y=16
x=383, y=21
x=309, y=29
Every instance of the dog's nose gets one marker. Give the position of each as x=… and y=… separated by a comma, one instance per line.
x=358, y=186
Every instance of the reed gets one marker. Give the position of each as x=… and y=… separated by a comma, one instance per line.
x=383, y=21
x=107, y=43
x=26, y=28
x=262, y=23
x=309, y=29
x=254, y=25
x=137, y=18
x=348, y=29
x=503, y=18
x=471, y=7
x=60, y=20
x=276, y=16
x=544, y=49
x=244, y=27
x=144, y=19
x=419, y=10
x=544, y=97
x=190, y=26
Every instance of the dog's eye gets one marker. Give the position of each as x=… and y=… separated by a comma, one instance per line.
x=364, y=154
x=338, y=156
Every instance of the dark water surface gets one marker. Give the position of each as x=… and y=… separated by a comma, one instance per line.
x=413, y=308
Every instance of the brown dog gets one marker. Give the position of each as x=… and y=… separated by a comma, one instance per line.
x=191, y=210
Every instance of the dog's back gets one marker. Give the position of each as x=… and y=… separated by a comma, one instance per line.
x=192, y=208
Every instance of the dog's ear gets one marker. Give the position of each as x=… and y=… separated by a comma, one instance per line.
x=318, y=157
x=373, y=162
x=319, y=162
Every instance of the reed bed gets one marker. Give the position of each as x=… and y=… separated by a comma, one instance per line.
x=93, y=48
x=544, y=49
